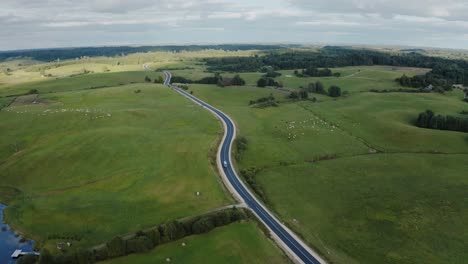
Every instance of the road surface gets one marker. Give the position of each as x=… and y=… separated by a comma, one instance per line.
x=295, y=248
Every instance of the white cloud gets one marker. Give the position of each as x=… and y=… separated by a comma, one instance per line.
x=39, y=23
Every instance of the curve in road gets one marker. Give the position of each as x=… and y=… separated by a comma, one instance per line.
x=287, y=239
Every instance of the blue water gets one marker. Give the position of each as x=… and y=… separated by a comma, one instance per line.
x=9, y=242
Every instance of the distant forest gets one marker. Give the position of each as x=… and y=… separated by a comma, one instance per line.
x=47, y=55
x=445, y=72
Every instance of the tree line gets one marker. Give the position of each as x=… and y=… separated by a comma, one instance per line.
x=143, y=240
x=315, y=72
x=264, y=102
x=159, y=79
x=429, y=119
x=217, y=79
x=444, y=72
x=329, y=57
x=72, y=53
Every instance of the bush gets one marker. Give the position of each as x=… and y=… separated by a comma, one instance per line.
x=203, y=225
x=237, y=80
x=138, y=244
x=313, y=72
x=334, y=91
x=265, y=81
x=116, y=247
x=249, y=176
x=154, y=235
x=179, y=79
x=241, y=146
x=272, y=74
x=293, y=95
x=264, y=102
x=33, y=91
x=316, y=87
x=209, y=80
x=159, y=80
x=171, y=231
x=303, y=94
x=262, y=82
x=101, y=253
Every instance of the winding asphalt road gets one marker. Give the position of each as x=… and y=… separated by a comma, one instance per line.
x=296, y=248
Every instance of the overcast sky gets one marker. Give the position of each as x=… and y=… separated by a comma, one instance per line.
x=66, y=23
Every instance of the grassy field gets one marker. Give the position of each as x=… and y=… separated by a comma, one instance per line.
x=104, y=153
x=236, y=243
x=353, y=79
x=354, y=176
x=91, y=164
x=88, y=81
x=25, y=70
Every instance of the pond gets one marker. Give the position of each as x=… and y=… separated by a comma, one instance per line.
x=10, y=241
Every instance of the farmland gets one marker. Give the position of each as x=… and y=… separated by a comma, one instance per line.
x=354, y=175
x=230, y=244
x=89, y=150
x=91, y=164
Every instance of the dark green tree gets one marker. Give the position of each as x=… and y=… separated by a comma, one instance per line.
x=334, y=91
x=262, y=82
x=303, y=94
x=293, y=95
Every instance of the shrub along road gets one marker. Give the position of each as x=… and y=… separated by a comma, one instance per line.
x=297, y=249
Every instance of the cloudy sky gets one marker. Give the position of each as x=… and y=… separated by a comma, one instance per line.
x=67, y=23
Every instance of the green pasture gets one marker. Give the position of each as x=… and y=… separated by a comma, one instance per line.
x=354, y=79
x=235, y=243
x=358, y=180
x=88, y=81
x=92, y=164
x=377, y=208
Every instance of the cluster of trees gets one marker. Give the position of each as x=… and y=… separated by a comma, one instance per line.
x=249, y=176
x=315, y=72
x=217, y=79
x=302, y=95
x=156, y=80
x=422, y=81
x=444, y=71
x=334, y=91
x=317, y=87
x=270, y=72
x=145, y=240
x=234, y=81
x=429, y=119
x=264, y=102
x=267, y=81
x=240, y=146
